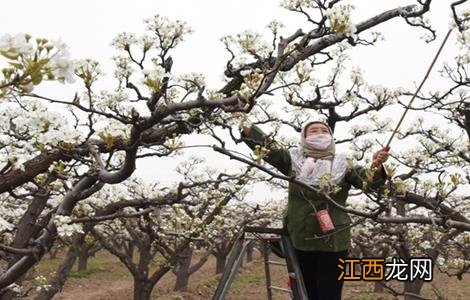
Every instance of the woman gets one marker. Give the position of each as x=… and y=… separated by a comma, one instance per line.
x=316, y=163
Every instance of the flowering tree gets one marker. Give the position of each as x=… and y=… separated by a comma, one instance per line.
x=166, y=234
x=429, y=200
x=447, y=248
x=434, y=184
x=85, y=251
x=54, y=159
x=224, y=232
x=218, y=237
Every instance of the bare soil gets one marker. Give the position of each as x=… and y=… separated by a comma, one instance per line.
x=107, y=279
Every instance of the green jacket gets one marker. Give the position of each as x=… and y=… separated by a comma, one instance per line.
x=300, y=221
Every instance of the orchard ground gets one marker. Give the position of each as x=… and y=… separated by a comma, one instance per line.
x=107, y=279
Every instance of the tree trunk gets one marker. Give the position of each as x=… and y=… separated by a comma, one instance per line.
x=249, y=252
x=56, y=283
x=413, y=289
x=182, y=276
x=142, y=289
x=27, y=227
x=85, y=251
x=182, y=280
x=53, y=252
x=378, y=288
x=82, y=261
x=9, y=295
x=220, y=264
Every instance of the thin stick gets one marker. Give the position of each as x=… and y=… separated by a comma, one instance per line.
x=419, y=87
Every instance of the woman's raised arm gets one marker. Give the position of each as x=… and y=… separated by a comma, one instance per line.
x=277, y=156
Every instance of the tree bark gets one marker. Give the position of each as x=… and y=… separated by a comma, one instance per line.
x=378, y=288
x=249, y=252
x=85, y=251
x=220, y=264
x=413, y=289
x=85, y=187
x=182, y=276
x=182, y=280
x=9, y=295
x=27, y=226
x=53, y=251
x=63, y=271
x=142, y=289
x=82, y=260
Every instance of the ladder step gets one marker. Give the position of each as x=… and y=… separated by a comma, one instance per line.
x=279, y=263
x=280, y=289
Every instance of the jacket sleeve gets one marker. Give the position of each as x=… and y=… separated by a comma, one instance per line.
x=363, y=179
x=278, y=156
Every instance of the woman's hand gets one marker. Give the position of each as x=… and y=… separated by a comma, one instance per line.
x=380, y=157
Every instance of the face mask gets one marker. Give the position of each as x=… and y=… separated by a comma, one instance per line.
x=320, y=141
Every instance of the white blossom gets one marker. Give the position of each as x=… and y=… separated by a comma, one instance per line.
x=146, y=41
x=251, y=42
x=64, y=229
x=124, y=40
x=171, y=33
x=214, y=95
x=61, y=47
x=340, y=19
x=15, y=288
x=15, y=44
x=296, y=4
x=114, y=129
x=123, y=67
x=63, y=69
x=274, y=26
x=4, y=225
x=192, y=81
x=356, y=76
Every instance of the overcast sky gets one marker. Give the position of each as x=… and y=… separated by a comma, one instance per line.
x=89, y=26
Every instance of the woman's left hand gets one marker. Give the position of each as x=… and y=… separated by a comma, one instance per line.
x=380, y=157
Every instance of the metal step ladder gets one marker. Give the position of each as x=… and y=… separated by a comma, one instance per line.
x=274, y=240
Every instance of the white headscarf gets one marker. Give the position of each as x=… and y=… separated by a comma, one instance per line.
x=312, y=165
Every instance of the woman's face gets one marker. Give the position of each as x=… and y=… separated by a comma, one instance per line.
x=316, y=129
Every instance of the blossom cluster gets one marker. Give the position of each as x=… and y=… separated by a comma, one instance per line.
x=64, y=228
x=115, y=101
x=296, y=4
x=153, y=78
x=192, y=82
x=247, y=45
x=39, y=127
x=252, y=80
x=170, y=33
x=5, y=225
x=340, y=19
x=29, y=62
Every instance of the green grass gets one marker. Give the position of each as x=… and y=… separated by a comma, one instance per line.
x=209, y=283
x=85, y=273
x=48, y=266
x=101, y=265
x=246, y=279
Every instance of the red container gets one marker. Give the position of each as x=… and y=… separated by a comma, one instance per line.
x=289, y=282
x=326, y=224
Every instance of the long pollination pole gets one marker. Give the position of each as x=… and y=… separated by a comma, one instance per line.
x=419, y=88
